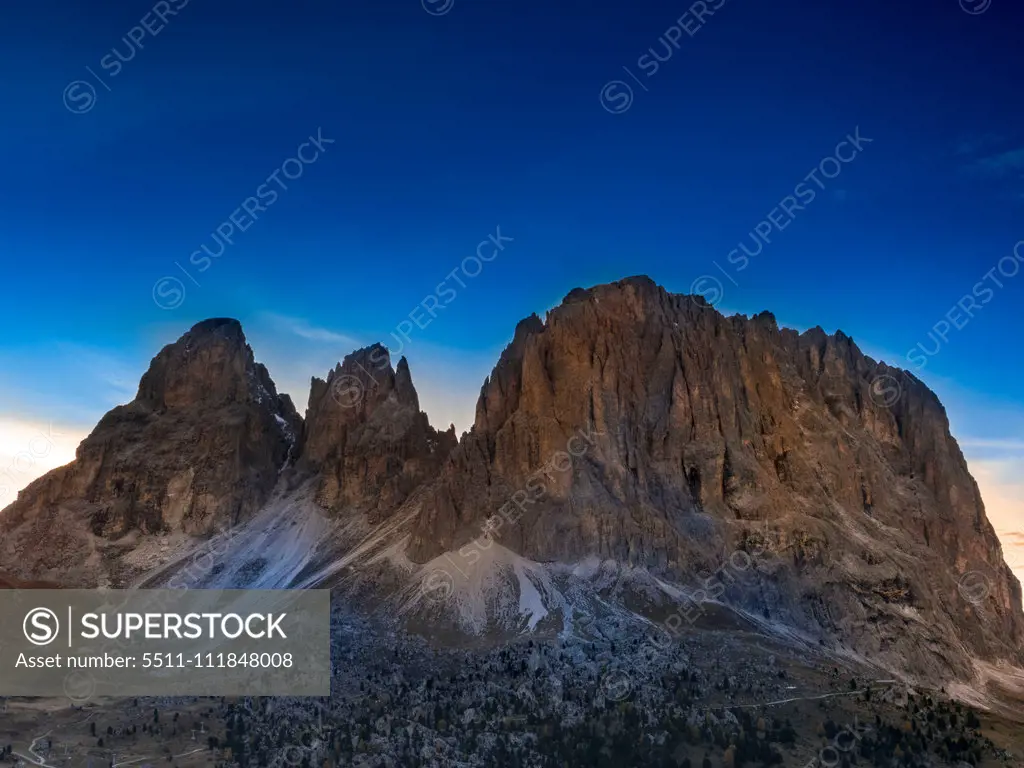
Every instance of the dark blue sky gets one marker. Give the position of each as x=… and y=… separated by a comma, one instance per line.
x=448, y=126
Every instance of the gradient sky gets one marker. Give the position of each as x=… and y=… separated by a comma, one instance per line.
x=452, y=119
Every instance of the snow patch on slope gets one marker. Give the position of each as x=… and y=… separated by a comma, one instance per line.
x=492, y=588
x=531, y=603
x=355, y=542
x=269, y=551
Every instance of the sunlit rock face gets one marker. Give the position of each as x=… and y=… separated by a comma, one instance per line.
x=684, y=435
x=199, y=448
x=630, y=427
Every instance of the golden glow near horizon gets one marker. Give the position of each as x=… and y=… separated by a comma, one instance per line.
x=29, y=450
x=1004, y=505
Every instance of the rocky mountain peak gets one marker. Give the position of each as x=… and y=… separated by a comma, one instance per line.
x=404, y=389
x=200, y=448
x=635, y=285
x=684, y=433
x=631, y=426
x=209, y=366
x=365, y=436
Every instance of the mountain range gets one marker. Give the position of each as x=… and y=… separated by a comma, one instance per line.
x=635, y=451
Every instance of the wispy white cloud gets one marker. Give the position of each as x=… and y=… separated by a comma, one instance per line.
x=1006, y=163
x=447, y=380
x=994, y=160
x=66, y=382
x=117, y=377
x=306, y=330
x=975, y=144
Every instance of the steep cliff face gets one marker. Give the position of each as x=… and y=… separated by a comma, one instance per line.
x=646, y=427
x=366, y=438
x=199, y=447
x=630, y=425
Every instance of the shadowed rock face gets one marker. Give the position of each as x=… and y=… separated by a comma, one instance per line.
x=366, y=437
x=199, y=447
x=646, y=427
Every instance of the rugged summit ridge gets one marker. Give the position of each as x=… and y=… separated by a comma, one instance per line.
x=210, y=365
x=366, y=438
x=709, y=432
x=631, y=427
x=200, y=447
